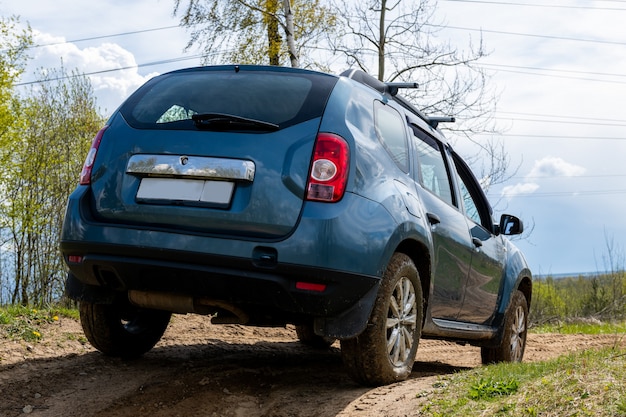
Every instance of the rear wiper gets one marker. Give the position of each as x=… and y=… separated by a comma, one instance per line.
x=219, y=121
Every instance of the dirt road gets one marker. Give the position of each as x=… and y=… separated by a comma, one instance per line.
x=199, y=369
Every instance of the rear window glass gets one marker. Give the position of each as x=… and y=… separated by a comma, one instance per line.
x=281, y=98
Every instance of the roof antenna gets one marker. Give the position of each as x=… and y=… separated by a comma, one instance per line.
x=236, y=68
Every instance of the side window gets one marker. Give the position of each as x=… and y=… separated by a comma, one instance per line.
x=475, y=203
x=469, y=206
x=390, y=128
x=432, y=170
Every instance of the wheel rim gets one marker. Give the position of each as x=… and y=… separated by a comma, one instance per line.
x=401, y=322
x=518, y=334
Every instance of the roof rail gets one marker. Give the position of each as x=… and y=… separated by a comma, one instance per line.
x=392, y=90
x=376, y=84
x=435, y=120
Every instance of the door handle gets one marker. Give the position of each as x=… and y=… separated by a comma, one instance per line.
x=433, y=218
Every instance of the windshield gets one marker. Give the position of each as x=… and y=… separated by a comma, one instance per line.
x=274, y=97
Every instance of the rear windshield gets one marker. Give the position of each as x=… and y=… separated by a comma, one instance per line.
x=279, y=97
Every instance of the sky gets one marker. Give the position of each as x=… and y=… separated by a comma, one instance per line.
x=559, y=67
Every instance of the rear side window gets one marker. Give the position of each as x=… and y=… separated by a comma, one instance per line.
x=433, y=173
x=282, y=98
x=390, y=128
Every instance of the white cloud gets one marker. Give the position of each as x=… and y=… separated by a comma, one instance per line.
x=555, y=167
x=520, y=188
x=111, y=87
x=548, y=167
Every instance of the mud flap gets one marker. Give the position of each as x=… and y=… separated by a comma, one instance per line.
x=351, y=322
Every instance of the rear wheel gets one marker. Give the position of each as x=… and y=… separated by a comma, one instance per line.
x=122, y=329
x=513, y=343
x=385, y=351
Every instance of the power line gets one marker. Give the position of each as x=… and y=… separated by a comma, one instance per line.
x=148, y=64
x=556, y=6
x=562, y=194
x=560, y=76
x=605, y=74
x=532, y=35
x=93, y=38
x=564, y=117
x=521, y=135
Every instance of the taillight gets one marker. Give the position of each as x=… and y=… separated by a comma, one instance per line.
x=85, y=174
x=329, y=170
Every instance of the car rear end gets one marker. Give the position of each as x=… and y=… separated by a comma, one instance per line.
x=213, y=190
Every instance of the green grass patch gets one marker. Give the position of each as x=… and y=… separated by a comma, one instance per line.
x=581, y=328
x=22, y=322
x=589, y=383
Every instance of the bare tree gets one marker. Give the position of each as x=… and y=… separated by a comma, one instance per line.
x=396, y=40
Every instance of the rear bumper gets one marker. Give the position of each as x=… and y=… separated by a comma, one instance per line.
x=259, y=278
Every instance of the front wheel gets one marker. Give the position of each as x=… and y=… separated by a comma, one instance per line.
x=385, y=351
x=122, y=329
x=513, y=343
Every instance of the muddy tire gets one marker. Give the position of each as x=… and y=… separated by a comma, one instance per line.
x=513, y=343
x=384, y=353
x=121, y=329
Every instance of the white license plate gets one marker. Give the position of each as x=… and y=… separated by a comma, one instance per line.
x=215, y=192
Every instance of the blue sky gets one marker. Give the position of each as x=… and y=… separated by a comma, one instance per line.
x=559, y=67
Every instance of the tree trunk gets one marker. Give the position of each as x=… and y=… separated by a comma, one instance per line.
x=381, y=41
x=289, y=32
x=273, y=35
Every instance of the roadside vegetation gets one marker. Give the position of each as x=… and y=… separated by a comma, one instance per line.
x=588, y=383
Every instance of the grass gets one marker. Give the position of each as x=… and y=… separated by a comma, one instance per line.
x=21, y=322
x=582, y=328
x=588, y=383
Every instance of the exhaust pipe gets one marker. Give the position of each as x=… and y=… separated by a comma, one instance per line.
x=222, y=312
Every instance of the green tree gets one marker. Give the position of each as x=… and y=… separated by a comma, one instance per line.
x=256, y=31
x=40, y=166
x=14, y=43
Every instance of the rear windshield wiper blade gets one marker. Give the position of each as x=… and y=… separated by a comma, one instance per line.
x=219, y=121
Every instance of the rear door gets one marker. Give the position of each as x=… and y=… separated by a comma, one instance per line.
x=221, y=150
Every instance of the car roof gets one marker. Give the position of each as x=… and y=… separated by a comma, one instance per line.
x=390, y=90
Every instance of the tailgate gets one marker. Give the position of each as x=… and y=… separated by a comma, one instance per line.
x=212, y=182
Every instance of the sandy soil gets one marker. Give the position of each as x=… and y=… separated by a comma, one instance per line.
x=200, y=369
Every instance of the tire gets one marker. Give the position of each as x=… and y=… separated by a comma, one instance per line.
x=513, y=343
x=307, y=336
x=385, y=352
x=122, y=330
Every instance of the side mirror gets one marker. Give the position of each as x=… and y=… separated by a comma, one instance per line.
x=510, y=225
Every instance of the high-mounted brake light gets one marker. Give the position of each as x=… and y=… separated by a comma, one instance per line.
x=85, y=174
x=329, y=169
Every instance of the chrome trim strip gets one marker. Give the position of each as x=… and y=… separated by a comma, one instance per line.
x=183, y=166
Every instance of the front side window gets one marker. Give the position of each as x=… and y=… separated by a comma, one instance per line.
x=433, y=173
x=469, y=206
x=475, y=205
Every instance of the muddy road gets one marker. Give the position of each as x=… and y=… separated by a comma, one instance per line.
x=200, y=369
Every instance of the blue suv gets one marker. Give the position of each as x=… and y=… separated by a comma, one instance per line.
x=268, y=196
